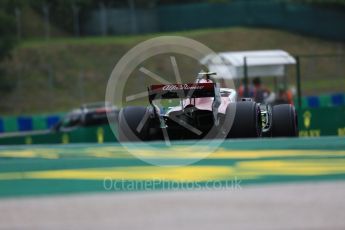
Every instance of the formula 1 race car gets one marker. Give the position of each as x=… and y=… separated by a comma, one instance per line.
x=205, y=111
x=92, y=114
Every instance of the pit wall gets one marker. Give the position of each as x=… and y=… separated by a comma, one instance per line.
x=324, y=100
x=42, y=122
x=312, y=122
x=96, y=134
x=10, y=124
x=324, y=121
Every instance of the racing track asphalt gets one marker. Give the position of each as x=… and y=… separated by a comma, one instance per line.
x=307, y=205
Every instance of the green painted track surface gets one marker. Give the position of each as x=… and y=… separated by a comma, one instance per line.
x=55, y=169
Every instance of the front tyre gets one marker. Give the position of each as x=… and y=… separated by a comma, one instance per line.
x=284, y=121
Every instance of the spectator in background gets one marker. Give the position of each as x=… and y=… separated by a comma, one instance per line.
x=261, y=92
x=256, y=91
x=250, y=88
x=284, y=96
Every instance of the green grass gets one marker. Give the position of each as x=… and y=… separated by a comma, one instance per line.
x=46, y=73
x=106, y=40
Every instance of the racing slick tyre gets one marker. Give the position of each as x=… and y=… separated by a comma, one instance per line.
x=247, y=120
x=133, y=124
x=284, y=121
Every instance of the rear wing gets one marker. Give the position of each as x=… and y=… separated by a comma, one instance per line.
x=192, y=90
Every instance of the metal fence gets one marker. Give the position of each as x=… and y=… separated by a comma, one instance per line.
x=107, y=20
x=322, y=76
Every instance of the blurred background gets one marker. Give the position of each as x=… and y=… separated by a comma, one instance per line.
x=56, y=55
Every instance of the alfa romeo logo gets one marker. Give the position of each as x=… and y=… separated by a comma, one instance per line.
x=134, y=62
x=181, y=87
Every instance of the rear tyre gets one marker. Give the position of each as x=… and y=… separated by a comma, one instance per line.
x=247, y=120
x=134, y=124
x=284, y=121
